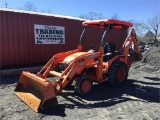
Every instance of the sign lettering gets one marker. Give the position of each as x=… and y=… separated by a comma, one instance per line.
x=45, y=34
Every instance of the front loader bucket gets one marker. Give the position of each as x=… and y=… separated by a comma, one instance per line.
x=36, y=92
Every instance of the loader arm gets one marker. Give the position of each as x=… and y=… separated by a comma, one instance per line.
x=52, y=63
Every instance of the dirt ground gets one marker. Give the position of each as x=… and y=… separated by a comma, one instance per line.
x=138, y=99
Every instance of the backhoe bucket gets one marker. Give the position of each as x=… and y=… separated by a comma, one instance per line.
x=36, y=92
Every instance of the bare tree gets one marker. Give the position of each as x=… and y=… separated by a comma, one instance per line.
x=115, y=16
x=153, y=25
x=92, y=16
x=138, y=26
x=6, y=4
x=140, y=31
x=29, y=6
x=84, y=17
x=46, y=11
x=100, y=16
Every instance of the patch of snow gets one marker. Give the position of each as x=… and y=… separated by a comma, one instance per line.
x=41, y=13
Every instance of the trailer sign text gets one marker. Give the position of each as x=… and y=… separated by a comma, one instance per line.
x=45, y=34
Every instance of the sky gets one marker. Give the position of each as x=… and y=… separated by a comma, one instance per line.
x=138, y=10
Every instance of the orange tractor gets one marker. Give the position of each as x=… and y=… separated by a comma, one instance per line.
x=99, y=64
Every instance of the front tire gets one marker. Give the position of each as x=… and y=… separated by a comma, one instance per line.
x=118, y=73
x=83, y=85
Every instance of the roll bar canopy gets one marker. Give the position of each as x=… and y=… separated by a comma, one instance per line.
x=111, y=22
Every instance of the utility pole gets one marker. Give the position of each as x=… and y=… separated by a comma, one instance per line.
x=6, y=4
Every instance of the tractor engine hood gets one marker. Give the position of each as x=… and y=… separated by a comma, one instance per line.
x=71, y=57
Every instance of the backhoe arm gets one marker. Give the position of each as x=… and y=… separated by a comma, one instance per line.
x=130, y=47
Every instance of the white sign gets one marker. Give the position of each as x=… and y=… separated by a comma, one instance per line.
x=45, y=34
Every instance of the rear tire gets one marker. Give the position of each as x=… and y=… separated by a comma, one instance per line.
x=83, y=85
x=118, y=73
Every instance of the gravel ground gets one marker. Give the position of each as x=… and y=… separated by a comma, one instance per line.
x=138, y=99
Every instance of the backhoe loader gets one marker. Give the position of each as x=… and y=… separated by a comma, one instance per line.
x=99, y=64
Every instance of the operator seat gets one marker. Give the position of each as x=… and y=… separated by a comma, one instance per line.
x=109, y=50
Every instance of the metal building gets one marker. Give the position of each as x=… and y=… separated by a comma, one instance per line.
x=17, y=36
